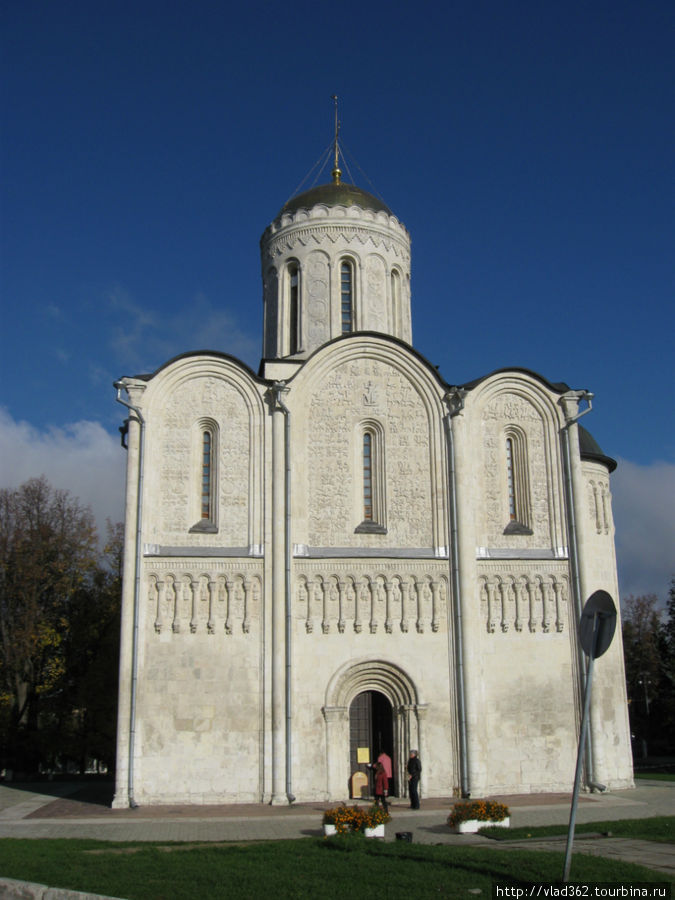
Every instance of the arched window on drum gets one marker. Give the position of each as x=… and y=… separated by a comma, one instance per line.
x=347, y=296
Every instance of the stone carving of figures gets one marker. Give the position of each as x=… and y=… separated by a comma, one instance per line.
x=369, y=398
x=323, y=595
x=545, y=589
x=559, y=600
x=248, y=591
x=435, y=603
x=518, y=588
x=229, y=594
x=155, y=595
x=491, y=587
x=211, y=623
x=532, y=595
x=172, y=600
x=342, y=599
x=405, y=590
x=504, y=596
x=191, y=591
x=388, y=624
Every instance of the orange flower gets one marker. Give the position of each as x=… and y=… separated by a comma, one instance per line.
x=480, y=810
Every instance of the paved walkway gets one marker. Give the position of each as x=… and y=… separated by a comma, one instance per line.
x=67, y=811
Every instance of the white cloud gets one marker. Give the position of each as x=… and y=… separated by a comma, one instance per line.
x=82, y=458
x=644, y=514
x=142, y=339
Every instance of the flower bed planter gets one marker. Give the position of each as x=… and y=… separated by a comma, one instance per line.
x=468, y=817
x=345, y=819
x=471, y=826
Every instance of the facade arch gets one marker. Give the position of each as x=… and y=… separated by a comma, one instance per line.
x=394, y=395
x=522, y=503
x=191, y=395
x=396, y=685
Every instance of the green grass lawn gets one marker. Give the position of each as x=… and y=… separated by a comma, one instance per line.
x=352, y=867
x=659, y=828
x=656, y=776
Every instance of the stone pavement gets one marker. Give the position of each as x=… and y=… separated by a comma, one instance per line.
x=69, y=811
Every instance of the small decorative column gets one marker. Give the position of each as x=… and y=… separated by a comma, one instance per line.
x=213, y=595
x=160, y=604
x=435, y=587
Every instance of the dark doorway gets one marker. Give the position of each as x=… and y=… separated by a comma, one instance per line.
x=371, y=725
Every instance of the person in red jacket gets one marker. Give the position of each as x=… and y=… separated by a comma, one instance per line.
x=381, y=786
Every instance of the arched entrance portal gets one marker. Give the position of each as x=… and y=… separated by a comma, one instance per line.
x=393, y=698
x=371, y=729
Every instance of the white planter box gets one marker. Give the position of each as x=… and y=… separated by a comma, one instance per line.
x=329, y=830
x=471, y=826
x=376, y=832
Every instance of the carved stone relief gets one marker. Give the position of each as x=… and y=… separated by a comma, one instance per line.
x=503, y=410
x=215, y=399
x=226, y=600
x=348, y=232
x=524, y=601
x=318, y=300
x=376, y=294
x=339, y=403
x=356, y=599
x=599, y=504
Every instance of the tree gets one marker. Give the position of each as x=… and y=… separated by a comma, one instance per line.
x=87, y=711
x=648, y=655
x=47, y=554
x=668, y=668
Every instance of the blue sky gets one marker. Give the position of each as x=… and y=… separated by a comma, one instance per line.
x=527, y=146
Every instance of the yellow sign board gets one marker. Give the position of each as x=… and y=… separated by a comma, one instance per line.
x=363, y=754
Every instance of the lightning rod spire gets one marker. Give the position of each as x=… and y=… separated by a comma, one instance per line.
x=336, y=173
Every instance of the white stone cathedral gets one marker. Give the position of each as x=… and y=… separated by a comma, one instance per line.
x=344, y=554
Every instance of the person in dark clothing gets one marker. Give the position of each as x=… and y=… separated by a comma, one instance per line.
x=381, y=786
x=414, y=772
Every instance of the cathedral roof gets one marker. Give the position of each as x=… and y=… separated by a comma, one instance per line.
x=335, y=194
x=560, y=387
x=590, y=449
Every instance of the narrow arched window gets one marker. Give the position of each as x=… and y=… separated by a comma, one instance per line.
x=370, y=478
x=367, y=477
x=396, y=302
x=347, y=297
x=203, y=501
x=293, y=308
x=207, y=475
x=517, y=482
x=510, y=479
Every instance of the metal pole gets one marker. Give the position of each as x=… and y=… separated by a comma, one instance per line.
x=580, y=751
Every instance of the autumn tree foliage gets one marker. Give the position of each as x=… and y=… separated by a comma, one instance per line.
x=57, y=599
